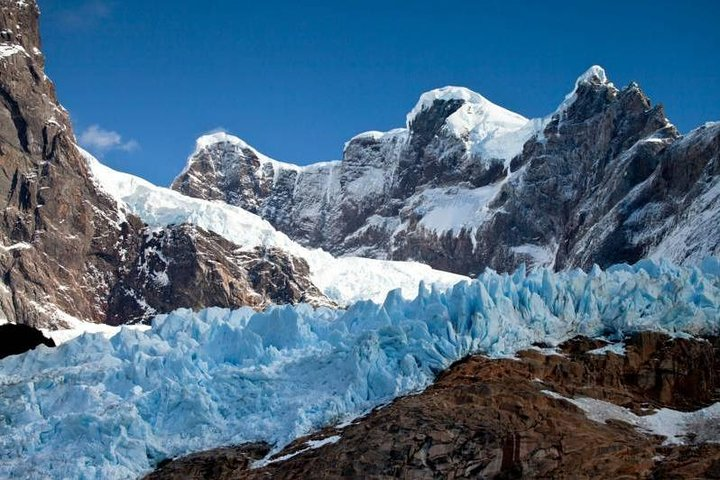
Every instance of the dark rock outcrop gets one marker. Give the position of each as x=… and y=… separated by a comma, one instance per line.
x=65, y=248
x=16, y=339
x=228, y=462
x=183, y=266
x=487, y=418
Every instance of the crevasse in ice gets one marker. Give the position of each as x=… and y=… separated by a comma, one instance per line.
x=112, y=408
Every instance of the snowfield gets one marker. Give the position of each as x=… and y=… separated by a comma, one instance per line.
x=112, y=408
x=671, y=424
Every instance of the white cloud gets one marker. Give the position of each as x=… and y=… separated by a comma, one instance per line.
x=216, y=130
x=89, y=13
x=97, y=139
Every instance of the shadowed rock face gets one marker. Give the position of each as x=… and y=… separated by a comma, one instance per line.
x=16, y=339
x=490, y=419
x=65, y=249
x=606, y=179
x=182, y=266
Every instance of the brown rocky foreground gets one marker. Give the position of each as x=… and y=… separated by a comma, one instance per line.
x=487, y=418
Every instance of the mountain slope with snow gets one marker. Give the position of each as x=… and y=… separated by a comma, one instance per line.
x=468, y=185
x=71, y=253
x=458, y=134
x=71, y=256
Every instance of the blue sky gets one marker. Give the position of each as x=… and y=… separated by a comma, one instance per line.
x=143, y=79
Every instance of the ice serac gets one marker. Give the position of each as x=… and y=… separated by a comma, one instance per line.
x=69, y=251
x=97, y=408
x=467, y=185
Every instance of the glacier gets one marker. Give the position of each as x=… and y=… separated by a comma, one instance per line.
x=98, y=407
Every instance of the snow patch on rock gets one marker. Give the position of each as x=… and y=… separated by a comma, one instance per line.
x=452, y=209
x=678, y=428
x=9, y=49
x=595, y=75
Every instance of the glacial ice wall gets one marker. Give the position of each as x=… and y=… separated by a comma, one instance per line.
x=112, y=408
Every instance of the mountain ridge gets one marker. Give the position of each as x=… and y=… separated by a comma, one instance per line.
x=443, y=189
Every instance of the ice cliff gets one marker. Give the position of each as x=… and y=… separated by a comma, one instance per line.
x=112, y=408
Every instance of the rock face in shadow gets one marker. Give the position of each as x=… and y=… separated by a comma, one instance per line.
x=215, y=464
x=487, y=418
x=183, y=266
x=605, y=179
x=16, y=339
x=67, y=251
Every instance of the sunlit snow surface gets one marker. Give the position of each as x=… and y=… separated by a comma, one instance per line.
x=111, y=408
x=671, y=424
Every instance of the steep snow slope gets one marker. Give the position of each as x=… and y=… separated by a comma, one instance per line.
x=111, y=408
x=344, y=280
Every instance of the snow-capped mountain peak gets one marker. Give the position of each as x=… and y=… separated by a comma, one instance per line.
x=475, y=109
x=466, y=170
x=229, y=142
x=595, y=75
x=214, y=138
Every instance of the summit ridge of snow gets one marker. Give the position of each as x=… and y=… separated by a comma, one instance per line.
x=211, y=140
x=484, y=109
x=208, y=139
x=595, y=74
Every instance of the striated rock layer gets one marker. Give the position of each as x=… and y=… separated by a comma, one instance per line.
x=486, y=418
x=68, y=252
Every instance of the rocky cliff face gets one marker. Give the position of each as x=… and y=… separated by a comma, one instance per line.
x=59, y=234
x=183, y=266
x=468, y=185
x=66, y=250
x=510, y=419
